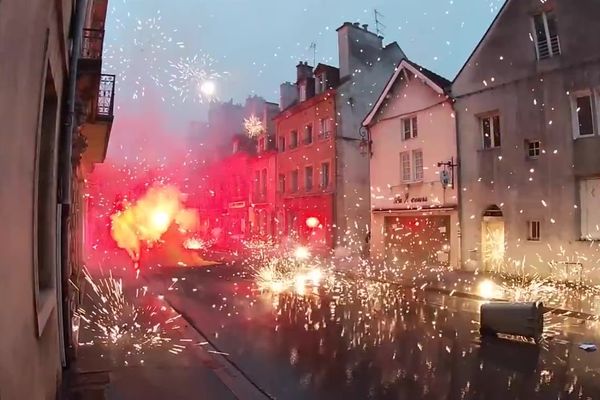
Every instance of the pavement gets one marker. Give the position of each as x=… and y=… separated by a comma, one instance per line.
x=184, y=367
x=575, y=300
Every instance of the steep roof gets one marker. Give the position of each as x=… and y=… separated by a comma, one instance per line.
x=436, y=82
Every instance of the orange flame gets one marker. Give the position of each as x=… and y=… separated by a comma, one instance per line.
x=147, y=220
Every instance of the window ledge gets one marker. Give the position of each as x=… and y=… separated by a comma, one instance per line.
x=483, y=150
x=579, y=137
x=46, y=302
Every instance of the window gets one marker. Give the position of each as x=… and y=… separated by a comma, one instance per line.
x=324, y=128
x=547, y=43
x=281, y=183
x=584, y=116
x=409, y=126
x=294, y=181
x=321, y=82
x=261, y=144
x=308, y=134
x=256, y=183
x=534, y=231
x=236, y=146
x=490, y=131
x=46, y=211
x=303, y=91
x=589, y=195
x=533, y=148
x=418, y=163
x=405, y=166
x=282, y=143
x=293, y=140
x=308, y=178
x=263, y=186
x=325, y=175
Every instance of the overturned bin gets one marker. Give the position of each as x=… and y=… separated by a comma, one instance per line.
x=519, y=319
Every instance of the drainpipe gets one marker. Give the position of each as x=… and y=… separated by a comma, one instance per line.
x=65, y=171
x=458, y=188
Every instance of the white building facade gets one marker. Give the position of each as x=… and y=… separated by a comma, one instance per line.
x=414, y=205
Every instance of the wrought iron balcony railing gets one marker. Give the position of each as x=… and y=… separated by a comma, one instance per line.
x=92, y=44
x=106, y=96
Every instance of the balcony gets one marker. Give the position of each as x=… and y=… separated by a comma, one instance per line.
x=90, y=53
x=98, y=125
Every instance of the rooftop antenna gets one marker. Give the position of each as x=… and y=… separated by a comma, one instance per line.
x=379, y=26
x=313, y=47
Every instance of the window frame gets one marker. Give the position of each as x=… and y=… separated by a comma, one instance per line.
x=321, y=175
x=44, y=195
x=491, y=116
x=551, y=53
x=403, y=176
x=293, y=134
x=534, y=228
x=308, y=128
x=586, y=232
x=413, y=127
x=281, y=183
x=594, y=96
x=281, y=144
x=312, y=178
x=529, y=143
x=294, y=186
x=414, y=165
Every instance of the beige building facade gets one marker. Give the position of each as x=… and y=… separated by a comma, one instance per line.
x=528, y=117
x=42, y=145
x=414, y=205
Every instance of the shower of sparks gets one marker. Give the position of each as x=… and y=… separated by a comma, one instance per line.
x=122, y=324
x=253, y=126
x=193, y=79
x=136, y=60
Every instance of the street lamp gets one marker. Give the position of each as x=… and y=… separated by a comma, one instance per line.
x=365, y=142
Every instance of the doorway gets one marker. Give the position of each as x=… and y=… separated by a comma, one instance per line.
x=493, y=241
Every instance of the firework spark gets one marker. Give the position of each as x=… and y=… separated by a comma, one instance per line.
x=120, y=323
x=253, y=126
x=137, y=60
x=193, y=79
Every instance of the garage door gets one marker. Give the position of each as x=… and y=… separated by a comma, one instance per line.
x=420, y=241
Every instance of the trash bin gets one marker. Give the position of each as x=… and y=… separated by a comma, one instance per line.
x=519, y=319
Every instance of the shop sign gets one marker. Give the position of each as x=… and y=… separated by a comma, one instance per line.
x=406, y=199
x=237, y=204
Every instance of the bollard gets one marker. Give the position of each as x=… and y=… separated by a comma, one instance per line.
x=519, y=319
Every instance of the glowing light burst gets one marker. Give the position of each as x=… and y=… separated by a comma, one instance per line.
x=148, y=219
x=196, y=244
x=122, y=324
x=253, y=126
x=138, y=48
x=286, y=274
x=194, y=79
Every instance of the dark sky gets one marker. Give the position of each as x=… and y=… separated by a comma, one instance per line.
x=255, y=44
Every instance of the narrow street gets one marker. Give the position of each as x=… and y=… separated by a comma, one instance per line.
x=361, y=346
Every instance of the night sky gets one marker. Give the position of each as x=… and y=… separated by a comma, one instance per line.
x=251, y=46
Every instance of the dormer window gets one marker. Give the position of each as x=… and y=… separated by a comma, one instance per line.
x=547, y=43
x=303, y=91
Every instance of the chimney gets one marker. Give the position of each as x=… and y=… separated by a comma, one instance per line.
x=288, y=94
x=356, y=46
x=303, y=71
